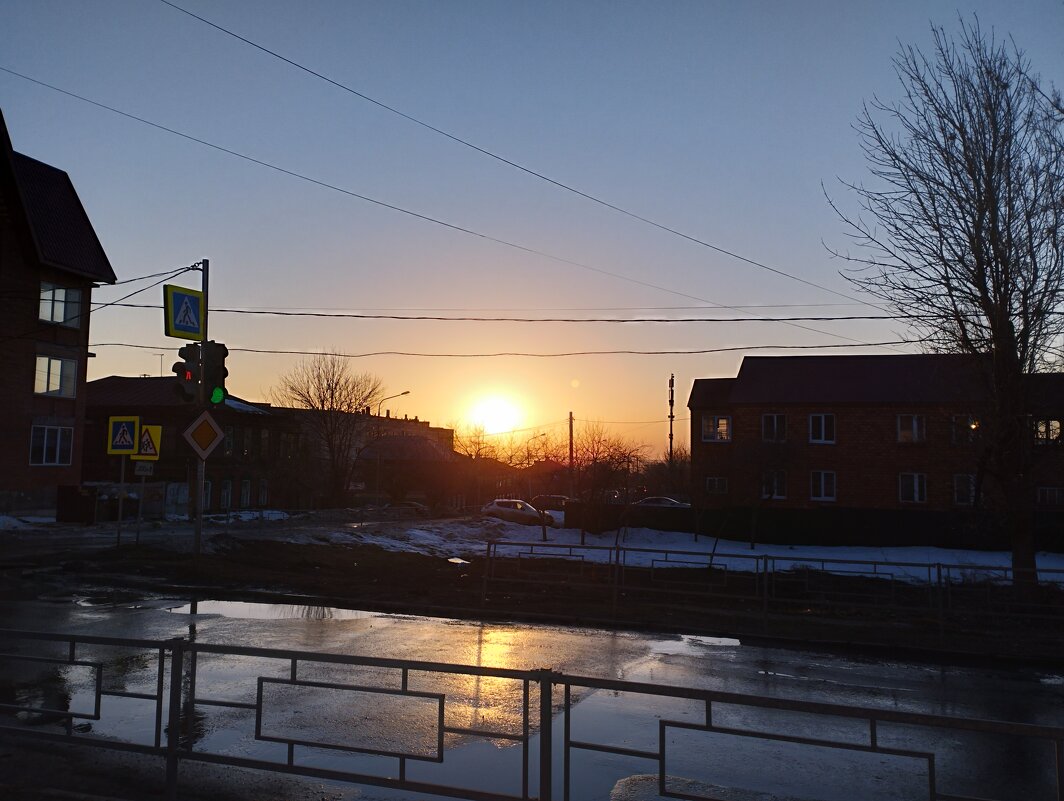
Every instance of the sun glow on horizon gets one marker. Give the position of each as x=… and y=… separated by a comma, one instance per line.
x=495, y=414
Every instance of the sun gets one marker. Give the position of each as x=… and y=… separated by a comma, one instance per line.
x=495, y=414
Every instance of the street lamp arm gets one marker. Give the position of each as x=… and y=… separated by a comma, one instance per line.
x=398, y=395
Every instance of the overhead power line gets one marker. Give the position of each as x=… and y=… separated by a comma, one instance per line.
x=502, y=159
x=400, y=209
x=467, y=319
x=488, y=355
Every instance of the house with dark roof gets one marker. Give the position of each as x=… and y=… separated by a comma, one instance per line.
x=861, y=449
x=261, y=462
x=50, y=261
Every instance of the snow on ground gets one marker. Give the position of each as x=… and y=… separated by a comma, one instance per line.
x=8, y=522
x=467, y=538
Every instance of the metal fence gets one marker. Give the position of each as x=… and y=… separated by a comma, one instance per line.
x=404, y=725
x=983, y=596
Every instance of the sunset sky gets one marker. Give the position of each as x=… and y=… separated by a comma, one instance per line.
x=724, y=121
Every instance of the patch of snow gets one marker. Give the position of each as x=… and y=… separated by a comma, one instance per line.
x=9, y=523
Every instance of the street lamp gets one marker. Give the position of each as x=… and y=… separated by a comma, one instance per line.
x=404, y=392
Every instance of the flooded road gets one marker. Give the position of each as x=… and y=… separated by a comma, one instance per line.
x=1026, y=694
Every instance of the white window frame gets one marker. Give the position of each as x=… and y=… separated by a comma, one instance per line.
x=264, y=492
x=963, y=489
x=776, y=421
x=819, y=481
x=56, y=376
x=1047, y=431
x=778, y=481
x=1050, y=496
x=60, y=305
x=52, y=447
x=205, y=499
x=913, y=484
x=716, y=485
x=245, y=493
x=912, y=428
x=225, y=499
x=713, y=432
x=965, y=429
x=822, y=418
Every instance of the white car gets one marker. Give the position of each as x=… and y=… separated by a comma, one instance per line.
x=660, y=501
x=516, y=512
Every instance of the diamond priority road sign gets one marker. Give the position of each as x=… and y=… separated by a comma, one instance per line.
x=204, y=435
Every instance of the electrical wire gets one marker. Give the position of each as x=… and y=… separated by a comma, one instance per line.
x=509, y=162
x=699, y=352
x=400, y=209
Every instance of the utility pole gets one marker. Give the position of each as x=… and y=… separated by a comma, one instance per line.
x=672, y=384
x=571, y=488
x=201, y=401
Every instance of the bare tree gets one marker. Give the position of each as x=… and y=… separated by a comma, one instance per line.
x=604, y=460
x=335, y=399
x=964, y=234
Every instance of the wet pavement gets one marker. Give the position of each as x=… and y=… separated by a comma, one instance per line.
x=987, y=768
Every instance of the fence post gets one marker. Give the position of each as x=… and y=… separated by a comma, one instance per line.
x=546, y=741
x=173, y=725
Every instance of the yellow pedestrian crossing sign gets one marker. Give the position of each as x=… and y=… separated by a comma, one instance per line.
x=150, y=437
x=123, y=435
x=183, y=312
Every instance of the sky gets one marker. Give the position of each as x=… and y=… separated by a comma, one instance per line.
x=724, y=121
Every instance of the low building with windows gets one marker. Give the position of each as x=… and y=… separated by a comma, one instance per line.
x=859, y=448
x=260, y=463
x=50, y=261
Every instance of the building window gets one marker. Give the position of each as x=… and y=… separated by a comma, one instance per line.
x=822, y=485
x=264, y=492
x=264, y=443
x=1050, y=496
x=60, y=305
x=205, y=501
x=911, y=428
x=716, y=428
x=774, y=427
x=965, y=429
x=716, y=485
x=228, y=442
x=51, y=445
x=225, y=501
x=822, y=428
x=912, y=487
x=1047, y=432
x=245, y=493
x=57, y=377
x=964, y=489
x=774, y=484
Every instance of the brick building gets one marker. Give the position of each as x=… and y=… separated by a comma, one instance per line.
x=260, y=463
x=50, y=261
x=845, y=447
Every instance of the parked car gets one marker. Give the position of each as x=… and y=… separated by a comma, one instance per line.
x=555, y=503
x=516, y=512
x=405, y=509
x=661, y=501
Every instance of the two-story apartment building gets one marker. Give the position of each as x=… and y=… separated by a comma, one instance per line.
x=50, y=261
x=845, y=447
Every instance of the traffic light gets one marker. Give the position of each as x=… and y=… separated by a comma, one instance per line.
x=188, y=371
x=214, y=372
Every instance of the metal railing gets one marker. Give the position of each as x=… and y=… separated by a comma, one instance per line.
x=673, y=579
x=398, y=723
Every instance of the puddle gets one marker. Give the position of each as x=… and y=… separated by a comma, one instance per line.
x=691, y=645
x=259, y=611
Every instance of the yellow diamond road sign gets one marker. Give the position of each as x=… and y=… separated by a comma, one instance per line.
x=204, y=435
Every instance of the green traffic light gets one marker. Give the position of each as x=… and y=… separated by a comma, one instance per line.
x=217, y=395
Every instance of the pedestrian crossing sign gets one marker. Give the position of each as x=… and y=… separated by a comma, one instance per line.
x=150, y=437
x=183, y=312
x=123, y=435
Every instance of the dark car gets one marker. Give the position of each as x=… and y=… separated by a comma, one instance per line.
x=661, y=502
x=554, y=503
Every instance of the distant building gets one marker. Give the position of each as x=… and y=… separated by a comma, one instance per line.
x=50, y=261
x=259, y=464
x=804, y=445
